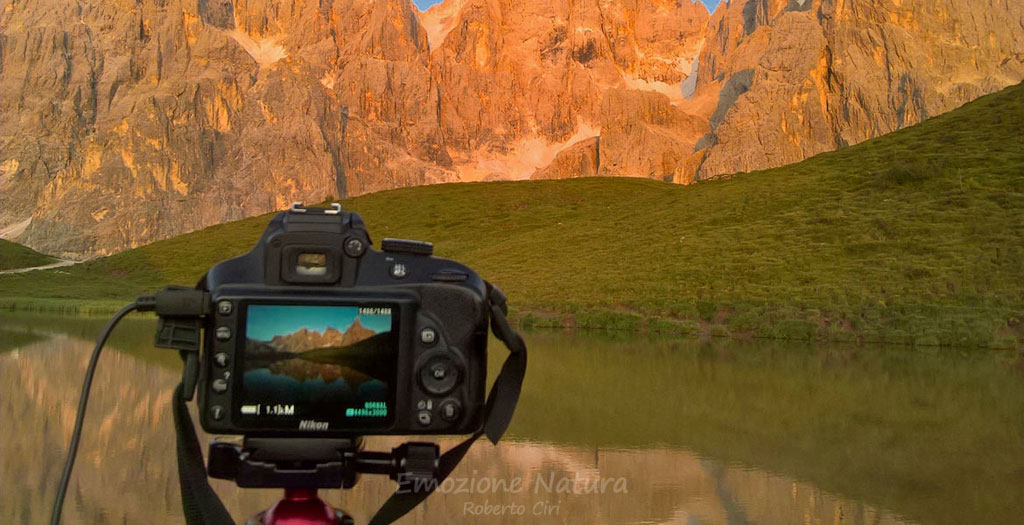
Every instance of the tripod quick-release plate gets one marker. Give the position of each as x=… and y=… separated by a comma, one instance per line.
x=315, y=463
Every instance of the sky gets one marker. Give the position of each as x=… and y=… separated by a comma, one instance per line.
x=263, y=322
x=423, y=5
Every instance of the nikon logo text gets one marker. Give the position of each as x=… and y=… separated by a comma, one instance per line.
x=309, y=424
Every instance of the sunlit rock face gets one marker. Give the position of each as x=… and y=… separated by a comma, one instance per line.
x=124, y=122
x=795, y=78
x=523, y=81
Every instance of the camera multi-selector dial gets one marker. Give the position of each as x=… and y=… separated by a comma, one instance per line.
x=439, y=375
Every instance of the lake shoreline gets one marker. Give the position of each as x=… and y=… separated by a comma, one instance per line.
x=722, y=322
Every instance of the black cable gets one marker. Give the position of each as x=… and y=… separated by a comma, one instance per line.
x=76, y=434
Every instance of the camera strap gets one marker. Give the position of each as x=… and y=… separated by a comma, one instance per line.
x=200, y=503
x=501, y=404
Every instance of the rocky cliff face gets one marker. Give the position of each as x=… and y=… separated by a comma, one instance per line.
x=799, y=77
x=122, y=121
x=523, y=80
x=125, y=122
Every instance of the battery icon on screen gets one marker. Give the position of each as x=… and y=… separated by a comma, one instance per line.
x=250, y=409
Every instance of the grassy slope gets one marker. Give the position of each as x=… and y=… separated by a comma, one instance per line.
x=13, y=255
x=911, y=237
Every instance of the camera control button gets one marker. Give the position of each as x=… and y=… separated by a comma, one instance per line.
x=223, y=333
x=439, y=376
x=450, y=410
x=399, y=271
x=221, y=359
x=449, y=276
x=219, y=386
x=407, y=246
x=425, y=417
x=428, y=336
x=217, y=412
x=355, y=247
x=224, y=307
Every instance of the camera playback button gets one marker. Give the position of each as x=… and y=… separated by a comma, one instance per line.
x=428, y=336
x=224, y=307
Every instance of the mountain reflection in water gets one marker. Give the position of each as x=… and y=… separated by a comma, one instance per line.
x=608, y=431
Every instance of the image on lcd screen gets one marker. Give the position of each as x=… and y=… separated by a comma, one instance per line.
x=324, y=363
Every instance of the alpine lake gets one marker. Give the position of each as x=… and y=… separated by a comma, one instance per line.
x=611, y=428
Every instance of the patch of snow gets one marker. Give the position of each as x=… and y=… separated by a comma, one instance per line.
x=669, y=90
x=689, y=85
x=439, y=20
x=327, y=81
x=13, y=231
x=526, y=156
x=265, y=51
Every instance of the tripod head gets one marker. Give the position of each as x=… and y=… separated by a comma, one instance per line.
x=316, y=463
x=301, y=466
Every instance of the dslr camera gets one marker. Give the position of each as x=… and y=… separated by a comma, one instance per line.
x=313, y=340
x=314, y=333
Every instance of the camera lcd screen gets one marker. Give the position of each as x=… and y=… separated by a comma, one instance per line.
x=319, y=367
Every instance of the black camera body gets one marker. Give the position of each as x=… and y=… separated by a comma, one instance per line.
x=313, y=333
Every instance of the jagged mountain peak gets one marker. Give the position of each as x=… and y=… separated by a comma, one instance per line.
x=126, y=122
x=304, y=339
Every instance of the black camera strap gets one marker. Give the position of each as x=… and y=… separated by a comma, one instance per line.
x=199, y=502
x=501, y=404
x=201, y=505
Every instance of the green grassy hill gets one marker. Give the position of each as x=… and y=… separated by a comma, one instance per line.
x=14, y=255
x=914, y=237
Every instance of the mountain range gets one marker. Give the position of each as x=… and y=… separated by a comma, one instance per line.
x=127, y=121
x=304, y=340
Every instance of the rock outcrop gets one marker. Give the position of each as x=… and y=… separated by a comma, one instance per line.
x=795, y=78
x=578, y=160
x=643, y=135
x=123, y=121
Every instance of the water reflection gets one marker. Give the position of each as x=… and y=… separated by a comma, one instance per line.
x=691, y=433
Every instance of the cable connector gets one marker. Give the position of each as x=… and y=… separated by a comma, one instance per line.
x=176, y=301
x=181, y=312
